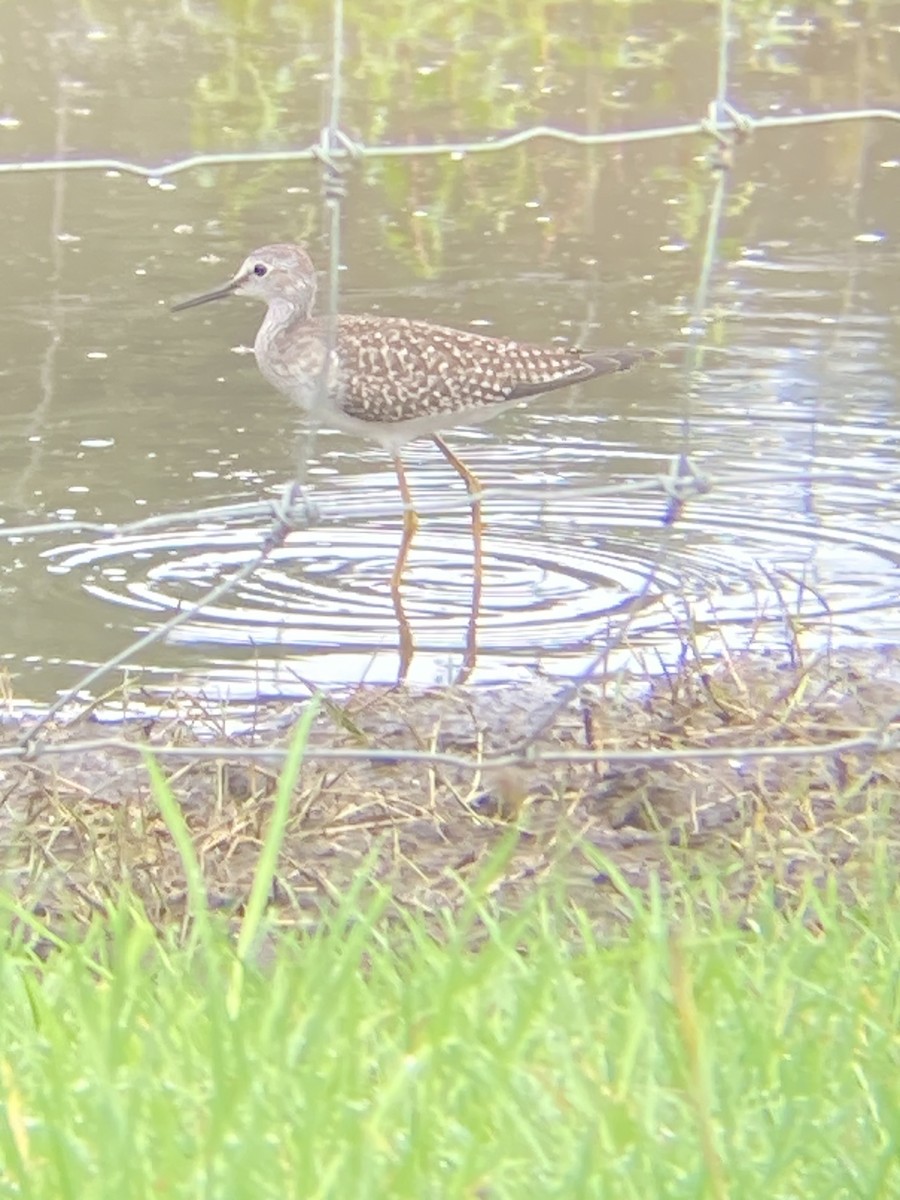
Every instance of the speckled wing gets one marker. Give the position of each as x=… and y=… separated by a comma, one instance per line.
x=393, y=369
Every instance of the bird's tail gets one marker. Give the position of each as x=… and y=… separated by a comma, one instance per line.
x=608, y=362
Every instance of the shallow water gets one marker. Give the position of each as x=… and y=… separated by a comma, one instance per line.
x=113, y=409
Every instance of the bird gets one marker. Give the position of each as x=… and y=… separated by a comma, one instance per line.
x=393, y=379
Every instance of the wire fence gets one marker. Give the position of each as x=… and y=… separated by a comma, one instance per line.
x=879, y=740
x=340, y=148
x=725, y=129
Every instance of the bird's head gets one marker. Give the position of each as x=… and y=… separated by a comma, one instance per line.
x=278, y=272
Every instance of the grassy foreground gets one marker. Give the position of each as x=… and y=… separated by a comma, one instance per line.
x=518, y=1058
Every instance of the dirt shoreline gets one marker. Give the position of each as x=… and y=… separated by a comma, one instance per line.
x=78, y=824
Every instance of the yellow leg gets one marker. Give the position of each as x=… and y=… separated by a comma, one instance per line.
x=410, y=525
x=473, y=487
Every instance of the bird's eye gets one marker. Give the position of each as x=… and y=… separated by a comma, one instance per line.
x=260, y=269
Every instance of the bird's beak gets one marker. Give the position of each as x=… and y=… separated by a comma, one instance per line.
x=218, y=294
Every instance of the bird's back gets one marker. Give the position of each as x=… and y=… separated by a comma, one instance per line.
x=390, y=369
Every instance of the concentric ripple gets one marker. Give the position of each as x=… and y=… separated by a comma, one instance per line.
x=562, y=577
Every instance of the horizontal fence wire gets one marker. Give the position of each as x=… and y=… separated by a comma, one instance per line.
x=881, y=739
x=345, y=149
x=297, y=508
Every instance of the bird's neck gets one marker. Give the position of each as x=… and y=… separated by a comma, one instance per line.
x=279, y=315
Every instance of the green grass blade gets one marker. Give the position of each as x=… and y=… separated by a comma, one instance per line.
x=268, y=860
x=177, y=826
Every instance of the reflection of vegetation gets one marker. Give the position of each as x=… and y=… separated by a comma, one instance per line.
x=425, y=71
x=413, y=70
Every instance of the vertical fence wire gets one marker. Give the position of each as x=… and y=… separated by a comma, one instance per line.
x=333, y=194
x=683, y=482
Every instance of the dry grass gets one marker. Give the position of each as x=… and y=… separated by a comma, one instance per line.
x=76, y=827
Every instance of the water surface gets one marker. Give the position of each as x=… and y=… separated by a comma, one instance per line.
x=112, y=409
